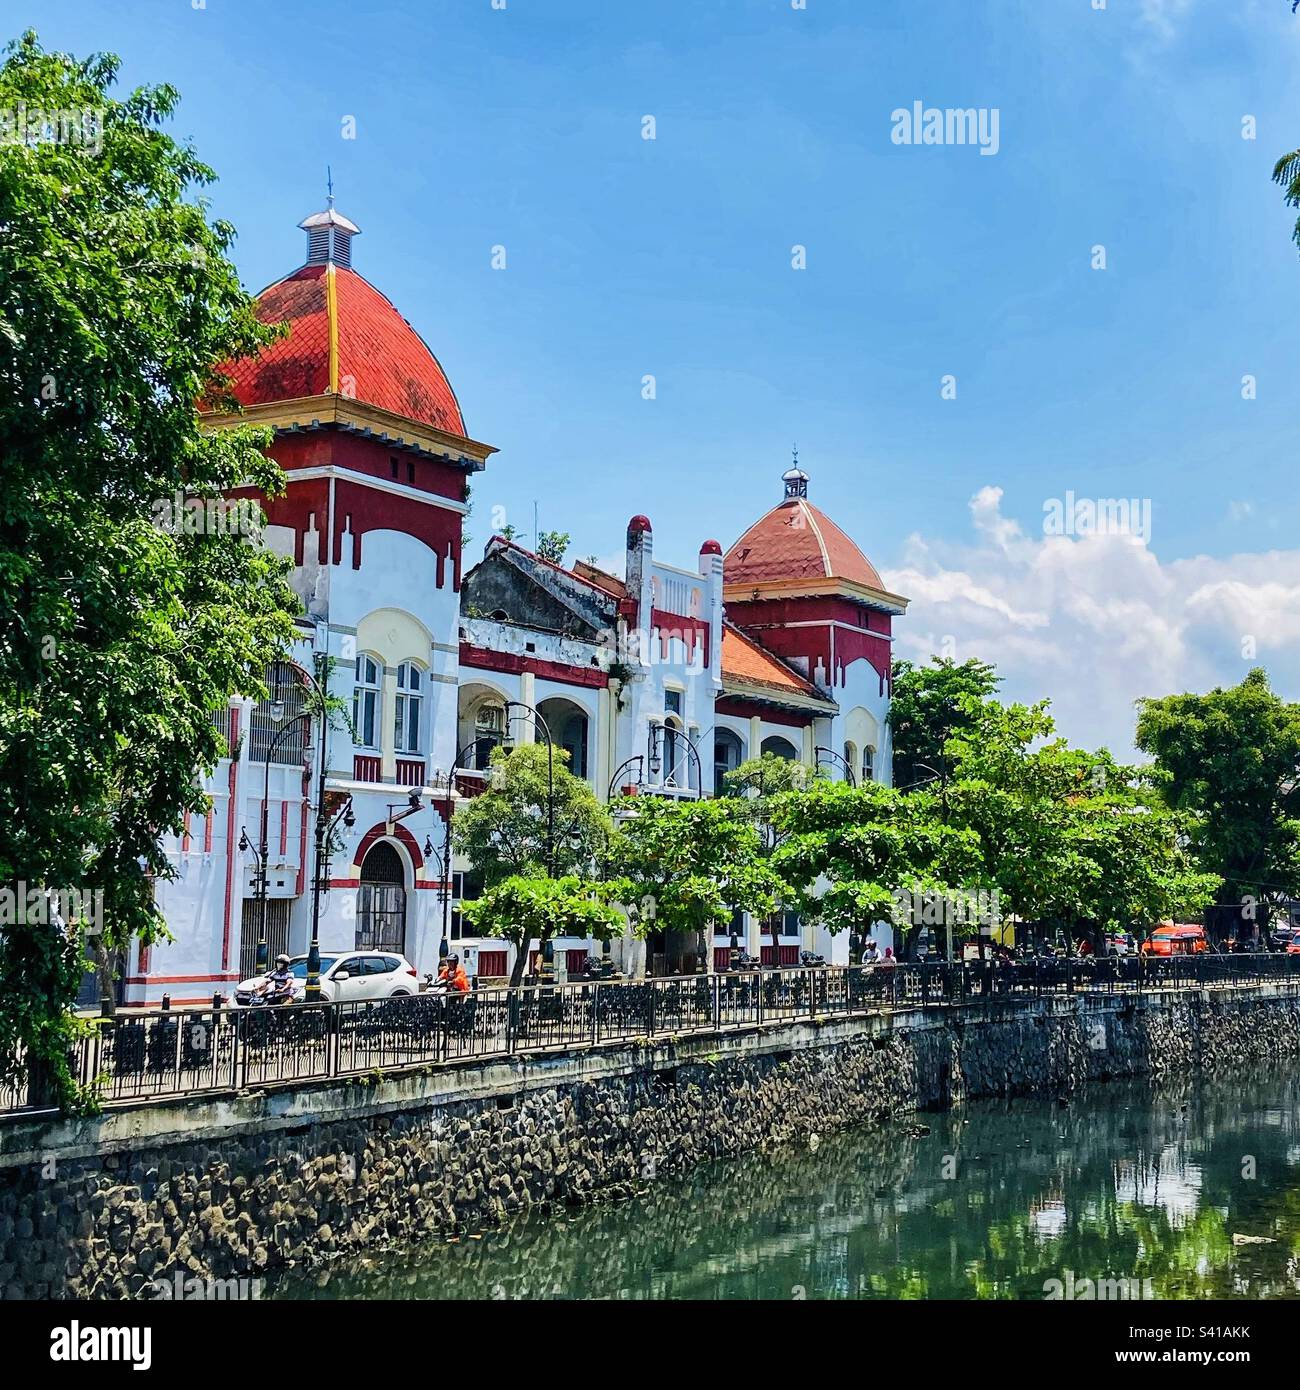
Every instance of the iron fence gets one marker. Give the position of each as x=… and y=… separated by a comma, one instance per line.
x=137, y=1057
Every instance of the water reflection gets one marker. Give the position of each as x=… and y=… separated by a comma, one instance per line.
x=1127, y=1182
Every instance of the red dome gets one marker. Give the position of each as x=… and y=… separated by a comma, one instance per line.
x=796, y=541
x=382, y=360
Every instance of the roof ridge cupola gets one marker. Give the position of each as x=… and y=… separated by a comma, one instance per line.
x=329, y=234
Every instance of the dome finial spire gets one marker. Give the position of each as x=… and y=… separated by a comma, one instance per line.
x=794, y=478
x=329, y=185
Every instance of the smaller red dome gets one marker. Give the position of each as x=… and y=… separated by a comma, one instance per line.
x=711, y=548
x=638, y=526
x=797, y=541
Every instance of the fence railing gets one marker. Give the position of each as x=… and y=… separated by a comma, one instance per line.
x=144, y=1056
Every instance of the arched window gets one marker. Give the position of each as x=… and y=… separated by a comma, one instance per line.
x=569, y=728
x=868, y=764
x=728, y=754
x=781, y=748
x=675, y=757
x=365, y=701
x=410, y=696
x=489, y=730
x=851, y=759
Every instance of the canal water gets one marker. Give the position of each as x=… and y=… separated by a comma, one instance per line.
x=1011, y=1199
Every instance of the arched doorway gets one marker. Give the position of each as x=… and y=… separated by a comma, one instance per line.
x=569, y=725
x=381, y=900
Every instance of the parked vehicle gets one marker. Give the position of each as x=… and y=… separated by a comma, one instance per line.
x=353, y=975
x=1176, y=939
x=1120, y=943
x=811, y=958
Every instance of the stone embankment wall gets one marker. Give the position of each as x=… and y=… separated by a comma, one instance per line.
x=238, y=1189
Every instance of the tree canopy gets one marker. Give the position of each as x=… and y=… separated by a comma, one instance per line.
x=698, y=861
x=931, y=704
x=1230, y=760
x=521, y=910
x=119, y=637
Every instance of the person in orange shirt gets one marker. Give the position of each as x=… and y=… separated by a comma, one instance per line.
x=452, y=976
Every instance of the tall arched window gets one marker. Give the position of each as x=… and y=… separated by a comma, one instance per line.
x=851, y=759
x=672, y=749
x=728, y=754
x=489, y=730
x=365, y=701
x=868, y=764
x=410, y=697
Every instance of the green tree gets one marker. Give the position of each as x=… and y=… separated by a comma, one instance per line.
x=928, y=706
x=1230, y=759
x=520, y=828
x=854, y=856
x=522, y=910
x=119, y=638
x=553, y=545
x=1286, y=173
x=1069, y=837
x=761, y=782
x=697, y=862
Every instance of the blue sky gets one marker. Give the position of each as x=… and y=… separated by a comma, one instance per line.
x=522, y=127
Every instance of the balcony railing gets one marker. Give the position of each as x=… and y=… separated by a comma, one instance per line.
x=410, y=772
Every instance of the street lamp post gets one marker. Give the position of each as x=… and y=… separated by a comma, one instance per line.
x=639, y=760
x=325, y=824
x=444, y=948
x=819, y=753
x=531, y=713
x=692, y=753
x=263, y=850
x=942, y=779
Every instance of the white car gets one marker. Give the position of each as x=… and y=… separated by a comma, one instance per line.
x=343, y=977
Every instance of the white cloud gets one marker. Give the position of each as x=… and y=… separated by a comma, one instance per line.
x=1094, y=622
x=1163, y=15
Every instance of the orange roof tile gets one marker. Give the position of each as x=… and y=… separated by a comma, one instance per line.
x=796, y=541
x=382, y=360
x=744, y=660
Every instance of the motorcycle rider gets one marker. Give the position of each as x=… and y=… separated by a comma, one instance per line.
x=452, y=977
x=278, y=986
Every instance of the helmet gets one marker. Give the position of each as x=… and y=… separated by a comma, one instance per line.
x=453, y=960
x=282, y=960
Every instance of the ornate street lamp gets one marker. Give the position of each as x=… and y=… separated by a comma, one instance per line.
x=263, y=850
x=449, y=784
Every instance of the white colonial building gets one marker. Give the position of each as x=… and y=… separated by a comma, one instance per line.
x=658, y=679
